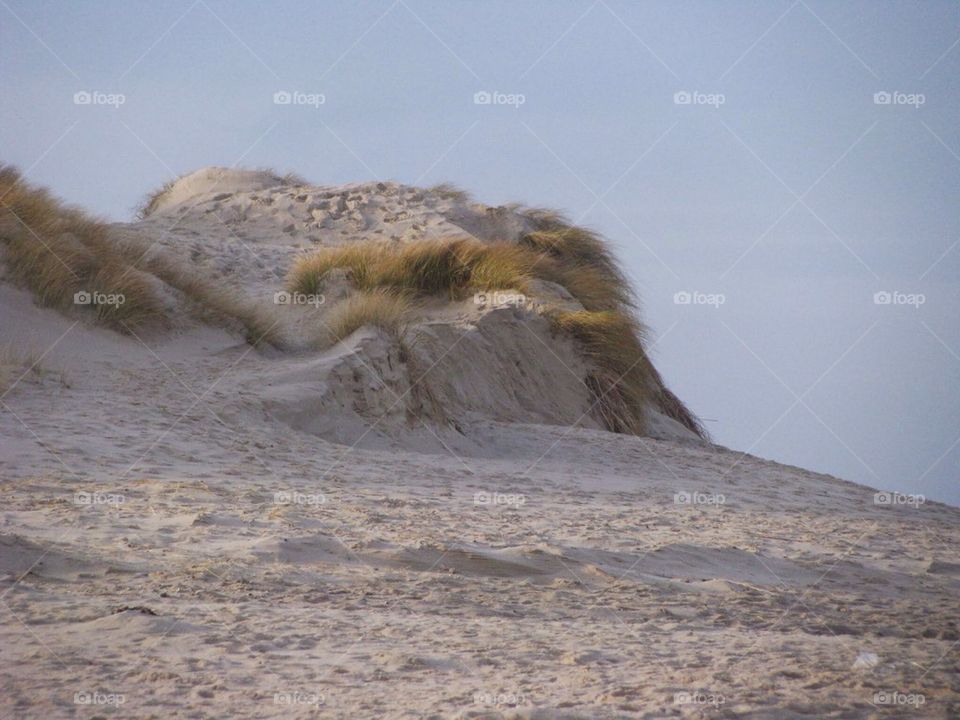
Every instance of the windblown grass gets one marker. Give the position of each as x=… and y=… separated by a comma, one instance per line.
x=449, y=191
x=58, y=252
x=624, y=381
x=212, y=301
x=428, y=267
x=613, y=342
x=380, y=308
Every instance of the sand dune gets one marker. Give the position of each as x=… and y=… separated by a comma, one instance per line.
x=196, y=527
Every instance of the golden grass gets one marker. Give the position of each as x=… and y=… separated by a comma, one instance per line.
x=620, y=383
x=213, y=301
x=427, y=267
x=449, y=191
x=624, y=381
x=380, y=308
x=58, y=252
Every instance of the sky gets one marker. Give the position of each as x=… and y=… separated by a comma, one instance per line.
x=780, y=179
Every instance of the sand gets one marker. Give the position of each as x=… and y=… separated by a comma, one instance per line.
x=192, y=527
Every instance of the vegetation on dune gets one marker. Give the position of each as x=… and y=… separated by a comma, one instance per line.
x=65, y=258
x=613, y=342
x=426, y=267
x=449, y=191
x=624, y=380
x=380, y=308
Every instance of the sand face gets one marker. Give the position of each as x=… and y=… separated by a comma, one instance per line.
x=195, y=528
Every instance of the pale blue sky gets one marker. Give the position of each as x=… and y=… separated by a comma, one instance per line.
x=797, y=198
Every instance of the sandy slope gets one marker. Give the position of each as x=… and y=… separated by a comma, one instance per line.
x=245, y=546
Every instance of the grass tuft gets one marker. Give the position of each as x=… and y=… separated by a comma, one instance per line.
x=449, y=191
x=58, y=252
x=380, y=308
x=18, y=366
x=621, y=384
x=426, y=267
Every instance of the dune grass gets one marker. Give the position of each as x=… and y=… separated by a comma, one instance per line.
x=624, y=381
x=427, y=267
x=18, y=365
x=381, y=308
x=621, y=384
x=211, y=300
x=449, y=191
x=58, y=252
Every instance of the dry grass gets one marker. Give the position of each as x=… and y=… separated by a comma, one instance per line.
x=381, y=308
x=259, y=320
x=428, y=267
x=58, y=252
x=625, y=380
x=621, y=385
x=18, y=366
x=449, y=191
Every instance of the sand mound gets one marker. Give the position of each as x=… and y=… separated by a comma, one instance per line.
x=421, y=523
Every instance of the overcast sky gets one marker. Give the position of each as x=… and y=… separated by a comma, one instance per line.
x=780, y=162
